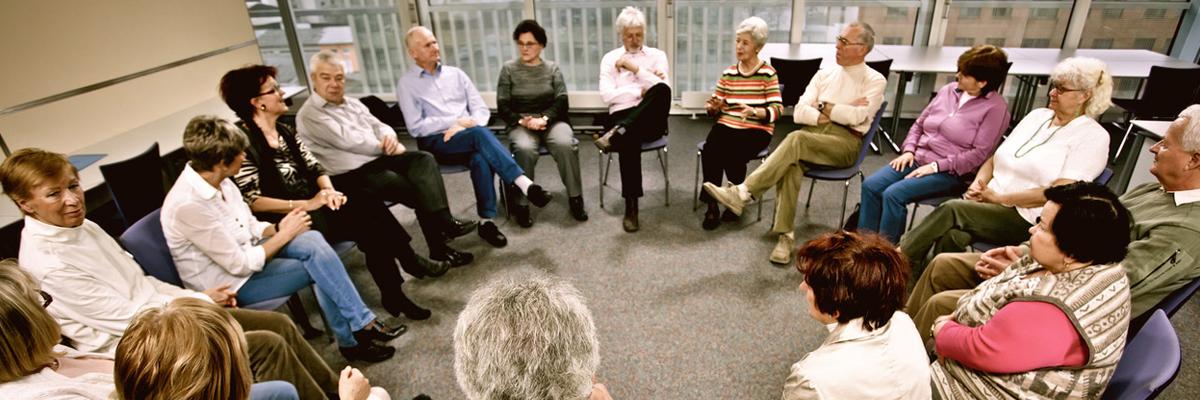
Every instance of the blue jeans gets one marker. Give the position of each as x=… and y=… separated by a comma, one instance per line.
x=305, y=260
x=477, y=148
x=273, y=390
x=886, y=195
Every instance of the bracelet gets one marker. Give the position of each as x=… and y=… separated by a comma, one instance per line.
x=290, y=207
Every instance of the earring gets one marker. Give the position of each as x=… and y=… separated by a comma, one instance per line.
x=263, y=107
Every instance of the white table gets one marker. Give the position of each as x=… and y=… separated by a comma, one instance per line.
x=1136, y=168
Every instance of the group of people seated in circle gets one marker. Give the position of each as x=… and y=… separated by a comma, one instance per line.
x=910, y=315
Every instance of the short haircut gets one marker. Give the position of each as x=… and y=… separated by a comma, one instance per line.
x=532, y=27
x=413, y=31
x=527, y=337
x=985, y=62
x=867, y=36
x=325, y=57
x=630, y=17
x=209, y=141
x=27, y=168
x=27, y=332
x=1091, y=225
x=241, y=85
x=1191, y=130
x=1089, y=74
x=855, y=275
x=188, y=349
x=756, y=28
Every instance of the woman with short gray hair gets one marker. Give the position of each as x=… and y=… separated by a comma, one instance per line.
x=528, y=337
x=746, y=103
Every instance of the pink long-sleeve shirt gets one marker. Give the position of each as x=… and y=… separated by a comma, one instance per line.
x=1022, y=336
x=958, y=139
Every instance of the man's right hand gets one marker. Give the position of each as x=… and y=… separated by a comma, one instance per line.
x=294, y=223
x=451, y=131
x=994, y=261
x=467, y=122
x=391, y=146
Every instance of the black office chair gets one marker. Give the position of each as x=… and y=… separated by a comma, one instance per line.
x=136, y=184
x=794, y=76
x=1167, y=92
x=390, y=115
x=884, y=67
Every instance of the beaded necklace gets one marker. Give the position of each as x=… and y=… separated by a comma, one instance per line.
x=1019, y=154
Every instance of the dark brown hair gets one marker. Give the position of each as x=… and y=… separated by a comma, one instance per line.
x=855, y=275
x=985, y=62
x=241, y=85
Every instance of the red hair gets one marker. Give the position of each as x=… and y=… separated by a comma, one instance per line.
x=855, y=275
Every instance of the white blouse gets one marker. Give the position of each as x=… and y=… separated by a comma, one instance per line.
x=48, y=384
x=886, y=363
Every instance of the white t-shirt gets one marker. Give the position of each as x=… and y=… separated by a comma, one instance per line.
x=1037, y=154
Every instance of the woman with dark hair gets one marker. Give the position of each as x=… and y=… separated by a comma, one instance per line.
x=532, y=99
x=279, y=175
x=957, y=132
x=1071, y=287
x=855, y=285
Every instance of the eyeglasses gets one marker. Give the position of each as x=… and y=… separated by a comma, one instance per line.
x=527, y=45
x=846, y=42
x=274, y=90
x=46, y=299
x=1058, y=86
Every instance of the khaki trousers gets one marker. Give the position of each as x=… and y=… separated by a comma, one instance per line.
x=827, y=144
x=949, y=276
x=279, y=352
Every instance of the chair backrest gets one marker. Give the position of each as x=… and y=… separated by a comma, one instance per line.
x=136, y=184
x=388, y=115
x=145, y=240
x=794, y=76
x=1168, y=91
x=1104, y=177
x=883, y=66
x=870, y=137
x=1150, y=361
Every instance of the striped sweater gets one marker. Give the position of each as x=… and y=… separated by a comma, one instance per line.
x=760, y=90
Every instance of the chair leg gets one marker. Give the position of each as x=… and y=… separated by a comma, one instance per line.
x=811, y=185
x=696, y=187
x=664, y=160
x=912, y=218
x=845, y=194
x=601, y=176
x=1125, y=138
x=300, y=316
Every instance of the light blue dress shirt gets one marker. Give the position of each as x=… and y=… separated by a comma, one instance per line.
x=431, y=103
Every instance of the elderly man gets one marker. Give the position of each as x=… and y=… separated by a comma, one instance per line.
x=836, y=110
x=634, y=84
x=1162, y=255
x=360, y=151
x=447, y=116
x=529, y=337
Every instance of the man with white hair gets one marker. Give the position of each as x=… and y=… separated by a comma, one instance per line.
x=448, y=117
x=358, y=150
x=1163, y=256
x=529, y=337
x=635, y=85
x=836, y=111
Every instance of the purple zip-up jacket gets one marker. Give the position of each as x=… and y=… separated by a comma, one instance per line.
x=959, y=140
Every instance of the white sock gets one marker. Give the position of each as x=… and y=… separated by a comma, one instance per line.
x=485, y=221
x=523, y=182
x=743, y=193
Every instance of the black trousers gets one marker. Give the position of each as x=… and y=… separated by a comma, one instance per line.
x=410, y=178
x=726, y=152
x=643, y=123
x=366, y=221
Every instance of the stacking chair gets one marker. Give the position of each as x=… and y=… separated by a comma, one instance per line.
x=1168, y=91
x=146, y=242
x=761, y=156
x=136, y=184
x=815, y=173
x=794, y=76
x=542, y=152
x=1149, y=363
x=884, y=67
x=658, y=146
x=1103, y=179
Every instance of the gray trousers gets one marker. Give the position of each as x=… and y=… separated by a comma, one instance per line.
x=557, y=139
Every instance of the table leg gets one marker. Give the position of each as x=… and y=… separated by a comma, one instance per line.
x=901, y=87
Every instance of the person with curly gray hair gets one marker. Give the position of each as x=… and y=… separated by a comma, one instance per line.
x=527, y=337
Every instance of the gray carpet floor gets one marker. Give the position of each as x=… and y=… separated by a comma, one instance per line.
x=682, y=313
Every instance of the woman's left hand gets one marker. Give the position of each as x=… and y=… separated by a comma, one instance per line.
x=927, y=169
x=990, y=196
x=330, y=198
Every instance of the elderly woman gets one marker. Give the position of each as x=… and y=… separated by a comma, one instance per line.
x=532, y=99
x=955, y=134
x=746, y=103
x=217, y=242
x=279, y=176
x=855, y=284
x=634, y=85
x=189, y=349
x=1051, y=146
x=530, y=337
x=1071, y=287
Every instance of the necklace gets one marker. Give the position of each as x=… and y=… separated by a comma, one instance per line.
x=1019, y=154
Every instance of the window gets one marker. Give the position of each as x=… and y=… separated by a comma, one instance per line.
x=1102, y=43
x=964, y=41
x=1113, y=13
x=581, y=32
x=477, y=38
x=1010, y=24
x=704, y=38
x=968, y=13
x=1155, y=13
x=995, y=41
x=897, y=12
x=893, y=40
x=1043, y=43
x=1001, y=12
x=1144, y=43
x=1045, y=13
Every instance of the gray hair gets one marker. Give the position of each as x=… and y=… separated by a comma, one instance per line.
x=630, y=17
x=413, y=31
x=757, y=28
x=209, y=141
x=326, y=57
x=867, y=35
x=1091, y=75
x=526, y=337
x=1191, y=131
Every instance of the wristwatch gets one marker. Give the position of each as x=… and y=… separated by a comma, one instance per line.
x=545, y=119
x=821, y=106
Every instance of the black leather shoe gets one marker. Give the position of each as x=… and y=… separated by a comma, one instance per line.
x=630, y=223
x=454, y=257
x=380, y=332
x=712, y=218
x=729, y=216
x=537, y=196
x=427, y=268
x=577, y=210
x=521, y=214
x=458, y=228
x=398, y=305
x=491, y=234
x=367, y=351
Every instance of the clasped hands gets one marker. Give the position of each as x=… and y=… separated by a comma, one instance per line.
x=533, y=123
x=459, y=125
x=906, y=160
x=716, y=105
x=826, y=111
